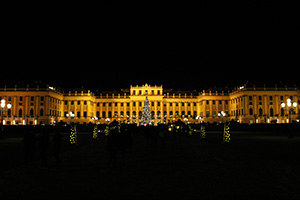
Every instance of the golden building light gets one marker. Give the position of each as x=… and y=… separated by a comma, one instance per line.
x=246, y=104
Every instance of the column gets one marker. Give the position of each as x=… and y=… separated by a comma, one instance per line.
x=130, y=111
x=179, y=109
x=255, y=111
x=168, y=110
x=137, y=113
x=217, y=107
x=162, y=112
x=14, y=106
x=186, y=109
x=119, y=110
x=210, y=108
x=155, y=113
x=246, y=103
x=277, y=105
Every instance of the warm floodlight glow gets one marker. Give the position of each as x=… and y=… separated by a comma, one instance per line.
x=2, y=103
x=295, y=104
x=283, y=105
x=9, y=106
x=222, y=114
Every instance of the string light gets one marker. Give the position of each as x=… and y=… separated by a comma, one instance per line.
x=202, y=132
x=226, y=134
x=95, y=132
x=73, y=135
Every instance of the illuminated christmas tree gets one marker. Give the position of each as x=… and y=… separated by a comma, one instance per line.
x=226, y=133
x=106, y=131
x=95, y=132
x=202, y=132
x=73, y=135
x=146, y=115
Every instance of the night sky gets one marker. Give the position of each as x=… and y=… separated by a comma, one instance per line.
x=186, y=47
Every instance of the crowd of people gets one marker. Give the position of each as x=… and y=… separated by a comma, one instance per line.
x=42, y=142
x=38, y=138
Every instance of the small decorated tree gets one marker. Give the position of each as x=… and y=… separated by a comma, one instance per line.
x=226, y=133
x=73, y=135
x=202, y=132
x=107, y=131
x=95, y=132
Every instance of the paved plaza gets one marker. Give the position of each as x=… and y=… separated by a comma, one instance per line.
x=252, y=166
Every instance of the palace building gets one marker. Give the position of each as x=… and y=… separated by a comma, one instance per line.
x=246, y=104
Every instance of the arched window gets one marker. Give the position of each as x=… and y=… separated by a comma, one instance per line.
x=251, y=111
x=271, y=112
x=109, y=114
x=116, y=114
x=103, y=114
x=134, y=114
x=140, y=114
x=20, y=112
x=152, y=114
x=260, y=112
x=31, y=112
x=171, y=114
x=98, y=114
x=42, y=112
x=158, y=114
x=282, y=111
x=182, y=113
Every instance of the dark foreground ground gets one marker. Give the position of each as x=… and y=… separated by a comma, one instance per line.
x=252, y=166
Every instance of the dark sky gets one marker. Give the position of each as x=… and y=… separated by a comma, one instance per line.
x=180, y=46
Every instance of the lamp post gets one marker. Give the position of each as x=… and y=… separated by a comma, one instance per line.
x=70, y=115
x=3, y=105
x=107, y=120
x=222, y=114
x=95, y=119
x=290, y=107
x=185, y=120
x=95, y=131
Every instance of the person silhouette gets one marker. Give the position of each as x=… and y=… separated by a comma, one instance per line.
x=29, y=144
x=57, y=145
x=43, y=146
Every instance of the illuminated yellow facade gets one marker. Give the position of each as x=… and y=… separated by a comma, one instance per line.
x=48, y=105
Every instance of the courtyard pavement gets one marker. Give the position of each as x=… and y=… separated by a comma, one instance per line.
x=251, y=166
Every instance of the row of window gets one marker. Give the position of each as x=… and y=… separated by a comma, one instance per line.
x=146, y=92
x=21, y=98
x=109, y=114
x=31, y=112
x=171, y=114
x=141, y=103
x=260, y=112
x=78, y=102
x=260, y=98
x=214, y=102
